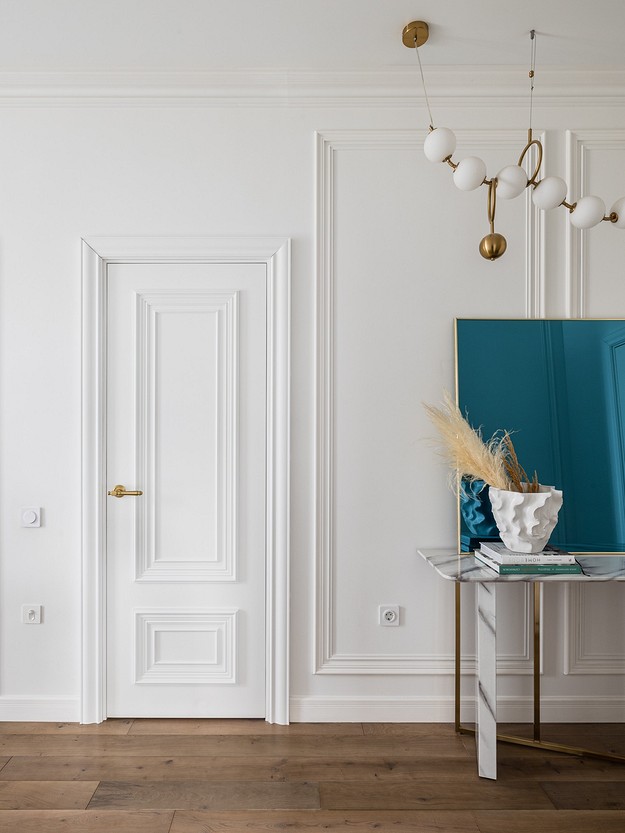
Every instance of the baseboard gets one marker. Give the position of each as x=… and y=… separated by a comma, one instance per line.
x=40, y=709
x=311, y=709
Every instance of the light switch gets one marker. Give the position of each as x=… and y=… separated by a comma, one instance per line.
x=31, y=516
x=31, y=614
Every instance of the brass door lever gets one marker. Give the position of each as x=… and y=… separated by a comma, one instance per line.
x=120, y=491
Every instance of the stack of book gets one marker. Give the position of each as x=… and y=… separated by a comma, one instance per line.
x=506, y=562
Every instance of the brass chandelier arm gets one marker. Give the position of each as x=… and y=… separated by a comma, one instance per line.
x=491, y=204
x=532, y=180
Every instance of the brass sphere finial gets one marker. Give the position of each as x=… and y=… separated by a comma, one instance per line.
x=493, y=246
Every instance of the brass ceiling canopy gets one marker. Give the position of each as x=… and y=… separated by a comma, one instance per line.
x=417, y=31
x=512, y=180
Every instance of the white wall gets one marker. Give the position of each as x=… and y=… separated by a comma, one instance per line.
x=384, y=234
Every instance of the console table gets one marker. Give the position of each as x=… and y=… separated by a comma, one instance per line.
x=465, y=568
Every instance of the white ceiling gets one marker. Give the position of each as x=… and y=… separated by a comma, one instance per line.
x=203, y=35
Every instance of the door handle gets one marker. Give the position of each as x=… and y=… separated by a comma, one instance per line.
x=120, y=491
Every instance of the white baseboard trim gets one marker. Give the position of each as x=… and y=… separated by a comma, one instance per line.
x=585, y=709
x=40, y=709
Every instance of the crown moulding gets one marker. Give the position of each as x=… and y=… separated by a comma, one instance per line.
x=392, y=87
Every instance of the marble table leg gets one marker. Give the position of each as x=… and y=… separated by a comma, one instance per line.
x=486, y=721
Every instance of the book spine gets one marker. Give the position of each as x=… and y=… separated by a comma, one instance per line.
x=504, y=558
x=540, y=569
x=527, y=569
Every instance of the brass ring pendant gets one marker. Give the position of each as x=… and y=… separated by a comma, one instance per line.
x=532, y=179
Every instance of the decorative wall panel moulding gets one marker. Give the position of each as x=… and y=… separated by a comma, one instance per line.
x=467, y=86
x=577, y=658
x=579, y=145
x=328, y=145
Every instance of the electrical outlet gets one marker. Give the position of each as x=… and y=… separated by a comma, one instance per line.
x=31, y=614
x=388, y=616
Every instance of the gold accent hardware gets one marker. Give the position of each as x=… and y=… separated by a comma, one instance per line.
x=120, y=491
x=539, y=162
x=417, y=31
x=493, y=245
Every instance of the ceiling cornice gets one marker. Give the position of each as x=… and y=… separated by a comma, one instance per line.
x=395, y=87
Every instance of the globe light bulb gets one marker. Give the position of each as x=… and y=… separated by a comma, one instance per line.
x=588, y=212
x=549, y=193
x=470, y=173
x=439, y=144
x=511, y=181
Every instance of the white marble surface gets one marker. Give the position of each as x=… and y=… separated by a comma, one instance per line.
x=486, y=723
x=451, y=565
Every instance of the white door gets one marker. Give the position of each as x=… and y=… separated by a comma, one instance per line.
x=186, y=413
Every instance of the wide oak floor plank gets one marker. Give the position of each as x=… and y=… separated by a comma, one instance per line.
x=559, y=821
x=327, y=747
x=205, y=795
x=85, y=821
x=598, y=737
x=46, y=795
x=248, y=726
x=216, y=768
x=301, y=821
x=579, y=795
x=112, y=726
x=438, y=794
x=412, y=729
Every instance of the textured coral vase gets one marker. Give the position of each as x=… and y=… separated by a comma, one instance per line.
x=526, y=519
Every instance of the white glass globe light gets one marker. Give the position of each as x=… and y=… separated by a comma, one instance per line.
x=470, y=173
x=549, y=193
x=511, y=181
x=588, y=212
x=439, y=144
x=619, y=208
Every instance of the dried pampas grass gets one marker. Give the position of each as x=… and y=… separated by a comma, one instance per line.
x=471, y=457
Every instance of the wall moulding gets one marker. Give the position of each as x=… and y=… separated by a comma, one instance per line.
x=329, y=144
x=460, y=87
x=579, y=145
x=577, y=658
x=426, y=709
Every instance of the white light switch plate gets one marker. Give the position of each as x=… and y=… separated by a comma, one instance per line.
x=31, y=516
x=31, y=614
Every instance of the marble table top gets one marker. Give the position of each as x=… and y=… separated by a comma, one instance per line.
x=451, y=565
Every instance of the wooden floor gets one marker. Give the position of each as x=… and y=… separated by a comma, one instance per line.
x=222, y=776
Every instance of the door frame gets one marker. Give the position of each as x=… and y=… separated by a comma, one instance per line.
x=97, y=254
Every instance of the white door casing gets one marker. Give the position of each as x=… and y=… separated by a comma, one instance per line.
x=97, y=255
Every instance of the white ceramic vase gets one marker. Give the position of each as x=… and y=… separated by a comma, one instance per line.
x=525, y=520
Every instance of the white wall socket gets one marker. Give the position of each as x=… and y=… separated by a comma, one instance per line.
x=388, y=616
x=31, y=614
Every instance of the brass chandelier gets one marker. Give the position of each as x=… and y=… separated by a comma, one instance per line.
x=470, y=173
